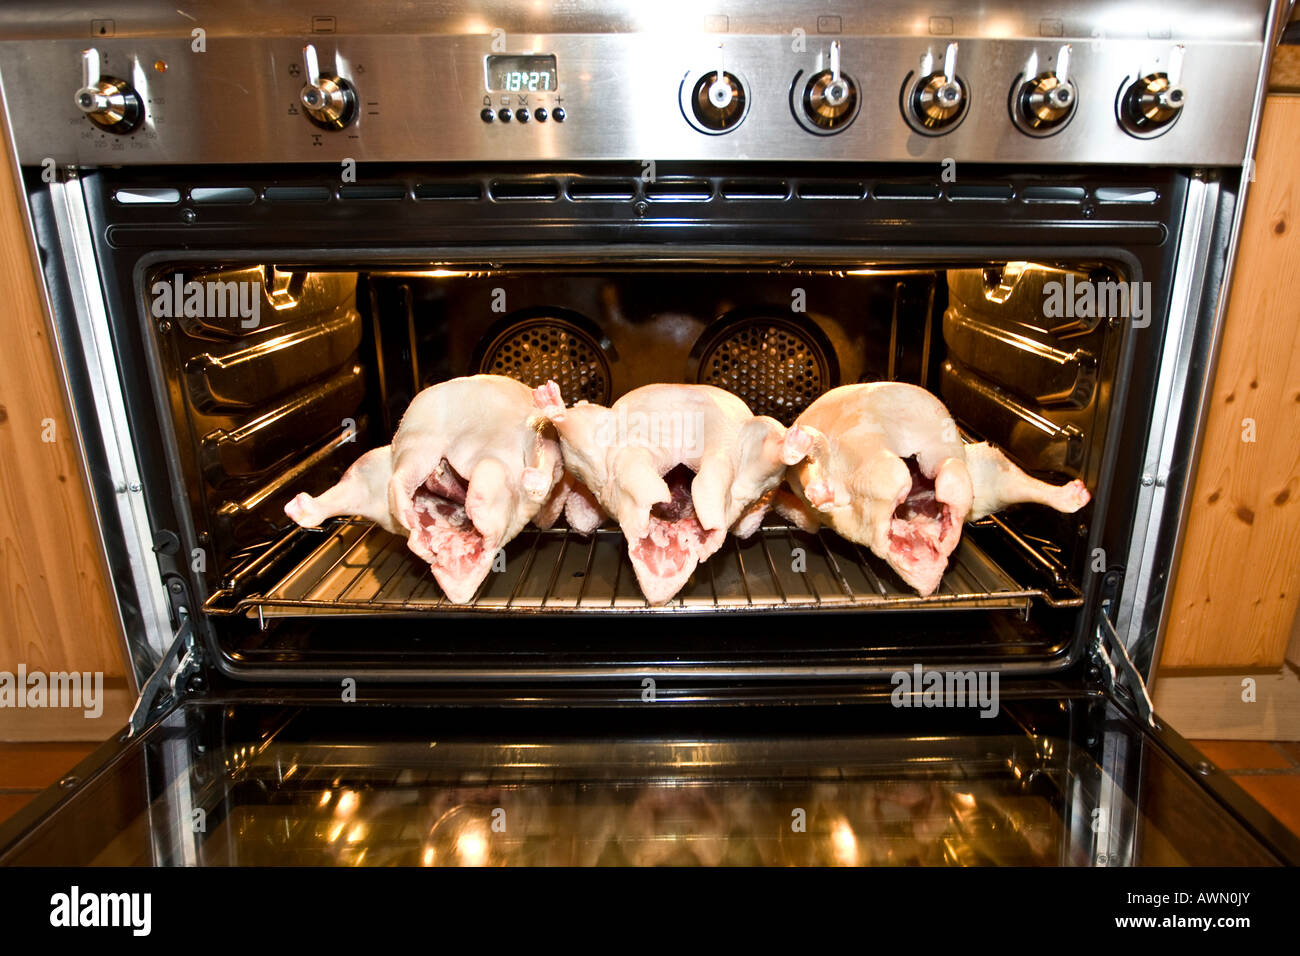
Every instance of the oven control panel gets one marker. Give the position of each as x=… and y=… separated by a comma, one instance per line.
x=992, y=87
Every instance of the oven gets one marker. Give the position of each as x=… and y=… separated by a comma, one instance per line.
x=263, y=232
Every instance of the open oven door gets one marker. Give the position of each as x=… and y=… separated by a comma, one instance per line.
x=1040, y=775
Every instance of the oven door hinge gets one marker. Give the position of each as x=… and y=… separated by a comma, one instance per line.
x=168, y=680
x=1111, y=660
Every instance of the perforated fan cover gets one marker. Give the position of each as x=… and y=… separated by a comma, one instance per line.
x=537, y=350
x=776, y=367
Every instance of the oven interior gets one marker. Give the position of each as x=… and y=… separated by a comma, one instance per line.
x=337, y=353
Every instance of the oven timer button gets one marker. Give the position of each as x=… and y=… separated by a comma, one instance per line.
x=557, y=114
x=504, y=115
x=539, y=114
x=521, y=115
x=486, y=115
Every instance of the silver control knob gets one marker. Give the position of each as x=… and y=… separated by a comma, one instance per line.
x=716, y=101
x=1152, y=103
x=934, y=101
x=329, y=100
x=722, y=90
x=109, y=103
x=827, y=102
x=1042, y=103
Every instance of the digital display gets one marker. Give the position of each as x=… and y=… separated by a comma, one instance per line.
x=521, y=74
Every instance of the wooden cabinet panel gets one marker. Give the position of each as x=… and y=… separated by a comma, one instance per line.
x=56, y=609
x=1238, y=581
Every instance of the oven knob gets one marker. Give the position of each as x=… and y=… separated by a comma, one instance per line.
x=1042, y=103
x=1152, y=103
x=829, y=100
x=329, y=100
x=934, y=101
x=108, y=102
x=717, y=100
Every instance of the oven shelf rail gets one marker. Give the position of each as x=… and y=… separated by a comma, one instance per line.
x=358, y=568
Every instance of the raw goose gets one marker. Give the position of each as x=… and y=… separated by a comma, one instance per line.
x=471, y=463
x=888, y=470
x=676, y=466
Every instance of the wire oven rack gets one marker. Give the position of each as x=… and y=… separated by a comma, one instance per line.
x=358, y=568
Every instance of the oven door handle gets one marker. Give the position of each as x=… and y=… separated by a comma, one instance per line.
x=168, y=679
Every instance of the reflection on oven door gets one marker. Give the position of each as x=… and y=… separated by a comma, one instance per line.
x=1045, y=782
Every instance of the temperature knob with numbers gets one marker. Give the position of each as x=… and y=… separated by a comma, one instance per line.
x=109, y=103
x=935, y=101
x=1042, y=103
x=1148, y=105
x=827, y=102
x=329, y=100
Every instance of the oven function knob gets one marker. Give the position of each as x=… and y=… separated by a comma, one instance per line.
x=828, y=102
x=109, y=103
x=714, y=102
x=1042, y=103
x=718, y=101
x=935, y=101
x=329, y=100
x=1150, y=104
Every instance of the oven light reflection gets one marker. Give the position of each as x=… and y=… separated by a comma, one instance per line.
x=471, y=846
x=325, y=797
x=844, y=844
x=349, y=800
x=433, y=274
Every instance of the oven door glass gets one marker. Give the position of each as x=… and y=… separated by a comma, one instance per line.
x=1061, y=781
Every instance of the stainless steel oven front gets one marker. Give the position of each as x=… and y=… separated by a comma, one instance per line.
x=770, y=202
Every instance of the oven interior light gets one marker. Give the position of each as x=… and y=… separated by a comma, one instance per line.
x=471, y=846
x=348, y=802
x=844, y=844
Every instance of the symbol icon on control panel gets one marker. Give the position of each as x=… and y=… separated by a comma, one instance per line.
x=295, y=69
